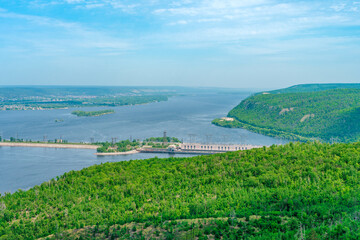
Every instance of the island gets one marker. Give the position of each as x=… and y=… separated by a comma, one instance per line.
x=315, y=112
x=92, y=113
x=130, y=147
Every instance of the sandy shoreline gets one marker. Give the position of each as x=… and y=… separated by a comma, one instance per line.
x=117, y=153
x=48, y=145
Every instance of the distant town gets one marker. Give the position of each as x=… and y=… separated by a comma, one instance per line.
x=41, y=98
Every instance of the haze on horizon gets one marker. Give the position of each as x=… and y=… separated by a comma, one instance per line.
x=221, y=43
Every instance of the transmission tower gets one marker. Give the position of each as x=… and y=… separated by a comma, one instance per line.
x=208, y=138
x=192, y=137
x=164, y=138
x=113, y=140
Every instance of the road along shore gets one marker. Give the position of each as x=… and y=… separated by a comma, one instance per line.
x=48, y=145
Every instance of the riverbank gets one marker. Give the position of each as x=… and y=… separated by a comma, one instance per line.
x=234, y=123
x=117, y=153
x=48, y=145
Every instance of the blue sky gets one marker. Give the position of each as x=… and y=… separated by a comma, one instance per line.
x=225, y=43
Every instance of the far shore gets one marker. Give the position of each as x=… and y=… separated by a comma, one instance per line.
x=48, y=145
x=117, y=153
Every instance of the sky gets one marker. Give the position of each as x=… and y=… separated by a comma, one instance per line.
x=218, y=43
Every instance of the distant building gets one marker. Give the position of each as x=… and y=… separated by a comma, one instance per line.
x=216, y=147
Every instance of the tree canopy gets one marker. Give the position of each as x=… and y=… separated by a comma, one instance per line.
x=308, y=190
x=330, y=115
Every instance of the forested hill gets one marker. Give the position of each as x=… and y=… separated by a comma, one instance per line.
x=330, y=115
x=296, y=191
x=317, y=87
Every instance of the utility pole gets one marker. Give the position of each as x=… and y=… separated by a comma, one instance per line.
x=164, y=138
x=113, y=140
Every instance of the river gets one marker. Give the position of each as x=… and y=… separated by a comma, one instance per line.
x=23, y=168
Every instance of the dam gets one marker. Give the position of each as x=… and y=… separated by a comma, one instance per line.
x=200, y=148
x=216, y=147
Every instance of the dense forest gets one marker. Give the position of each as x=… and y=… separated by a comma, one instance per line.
x=330, y=115
x=92, y=113
x=293, y=191
x=316, y=87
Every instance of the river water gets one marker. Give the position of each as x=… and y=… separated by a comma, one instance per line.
x=181, y=116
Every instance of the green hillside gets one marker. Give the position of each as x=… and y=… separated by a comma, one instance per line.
x=317, y=87
x=296, y=191
x=330, y=115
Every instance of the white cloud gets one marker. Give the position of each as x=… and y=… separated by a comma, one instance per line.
x=339, y=7
x=232, y=20
x=202, y=23
x=74, y=1
x=93, y=5
x=180, y=22
x=62, y=36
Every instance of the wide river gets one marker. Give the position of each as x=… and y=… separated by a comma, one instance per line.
x=23, y=168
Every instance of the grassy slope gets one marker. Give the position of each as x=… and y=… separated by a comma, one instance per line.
x=331, y=114
x=271, y=193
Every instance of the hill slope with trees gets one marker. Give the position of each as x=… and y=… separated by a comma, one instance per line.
x=295, y=191
x=330, y=115
x=317, y=87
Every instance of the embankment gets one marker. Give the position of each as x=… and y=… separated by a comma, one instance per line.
x=48, y=145
x=117, y=153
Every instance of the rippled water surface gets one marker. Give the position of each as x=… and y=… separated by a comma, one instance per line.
x=22, y=168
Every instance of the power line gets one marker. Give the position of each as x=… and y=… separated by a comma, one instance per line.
x=208, y=138
x=192, y=137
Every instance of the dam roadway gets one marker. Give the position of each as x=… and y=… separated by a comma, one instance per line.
x=48, y=145
x=199, y=148
x=182, y=148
